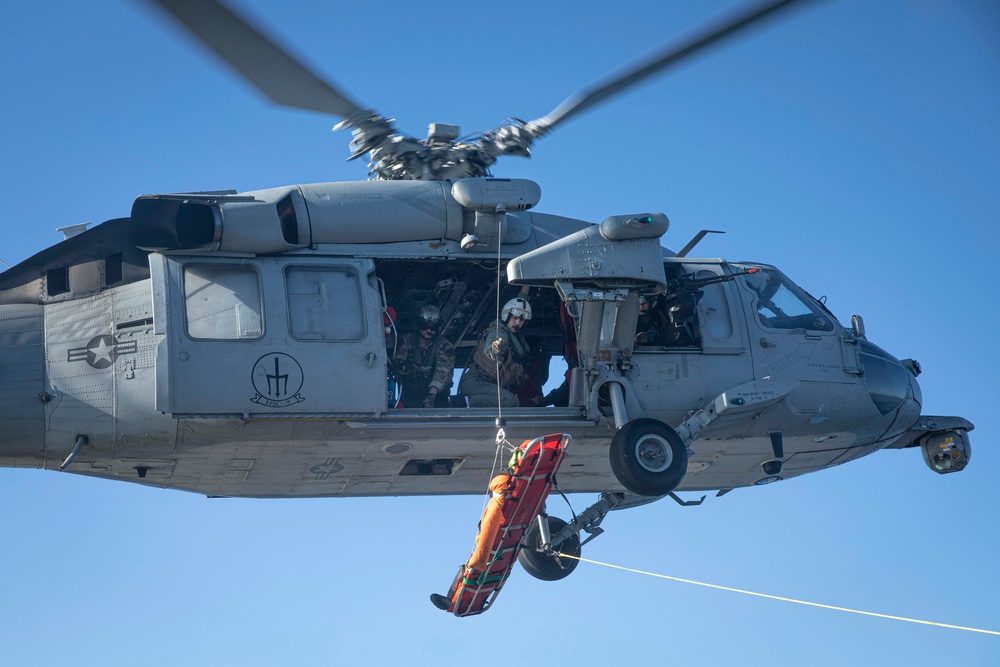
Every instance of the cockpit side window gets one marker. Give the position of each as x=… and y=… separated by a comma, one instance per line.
x=782, y=305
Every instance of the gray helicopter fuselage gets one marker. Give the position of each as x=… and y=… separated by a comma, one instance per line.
x=237, y=345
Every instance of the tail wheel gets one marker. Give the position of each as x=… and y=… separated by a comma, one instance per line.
x=541, y=566
x=648, y=457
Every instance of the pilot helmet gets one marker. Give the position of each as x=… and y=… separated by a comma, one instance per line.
x=518, y=307
x=429, y=317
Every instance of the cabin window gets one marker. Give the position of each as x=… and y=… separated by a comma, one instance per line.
x=57, y=281
x=223, y=302
x=781, y=305
x=718, y=324
x=324, y=303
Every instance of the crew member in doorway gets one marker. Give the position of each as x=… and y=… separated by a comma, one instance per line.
x=652, y=326
x=424, y=362
x=499, y=358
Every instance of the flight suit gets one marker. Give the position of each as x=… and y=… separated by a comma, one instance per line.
x=651, y=329
x=418, y=369
x=479, y=383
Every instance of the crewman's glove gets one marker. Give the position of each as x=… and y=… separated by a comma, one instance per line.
x=498, y=346
x=430, y=400
x=646, y=336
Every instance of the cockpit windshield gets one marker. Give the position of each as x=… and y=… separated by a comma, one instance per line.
x=781, y=304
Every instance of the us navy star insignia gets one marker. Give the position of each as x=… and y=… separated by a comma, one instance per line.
x=101, y=351
x=325, y=469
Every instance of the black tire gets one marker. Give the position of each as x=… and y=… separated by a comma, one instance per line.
x=548, y=568
x=648, y=457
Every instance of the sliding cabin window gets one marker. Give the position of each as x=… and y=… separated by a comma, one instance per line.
x=223, y=302
x=324, y=303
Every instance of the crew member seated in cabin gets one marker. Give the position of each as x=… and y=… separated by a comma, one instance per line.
x=500, y=356
x=651, y=329
x=424, y=362
x=682, y=330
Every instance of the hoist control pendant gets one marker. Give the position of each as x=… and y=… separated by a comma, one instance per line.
x=517, y=500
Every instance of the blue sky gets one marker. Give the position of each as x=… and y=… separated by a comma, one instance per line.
x=854, y=145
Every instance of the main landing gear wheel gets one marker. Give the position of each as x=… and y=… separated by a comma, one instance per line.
x=545, y=567
x=648, y=457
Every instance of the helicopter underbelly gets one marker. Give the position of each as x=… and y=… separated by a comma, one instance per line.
x=341, y=458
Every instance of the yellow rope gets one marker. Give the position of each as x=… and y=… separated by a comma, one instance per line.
x=783, y=599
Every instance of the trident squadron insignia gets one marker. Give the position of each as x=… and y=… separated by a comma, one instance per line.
x=277, y=377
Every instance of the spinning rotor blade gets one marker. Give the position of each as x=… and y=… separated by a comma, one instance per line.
x=673, y=54
x=273, y=71
x=286, y=81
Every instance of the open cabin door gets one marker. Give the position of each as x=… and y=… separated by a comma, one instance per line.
x=599, y=273
x=701, y=349
x=267, y=336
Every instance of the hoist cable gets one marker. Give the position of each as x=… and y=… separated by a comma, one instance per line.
x=501, y=438
x=493, y=472
x=496, y=359
x=782, y=599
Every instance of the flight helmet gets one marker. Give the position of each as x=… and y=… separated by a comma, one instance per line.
x=429, y=317
x=518, y=307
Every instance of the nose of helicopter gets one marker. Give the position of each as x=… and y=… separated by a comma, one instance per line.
x=892, y=385
x=915, y=392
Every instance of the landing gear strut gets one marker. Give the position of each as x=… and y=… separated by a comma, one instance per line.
x=540, y=559
x=542, y=541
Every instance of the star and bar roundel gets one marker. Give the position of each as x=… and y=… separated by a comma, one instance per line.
x=101, y=351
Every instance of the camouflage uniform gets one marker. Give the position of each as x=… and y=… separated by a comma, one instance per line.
x=418, y=369
x=479, y=383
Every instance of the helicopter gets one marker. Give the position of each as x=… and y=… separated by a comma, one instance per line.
x=116, y=340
